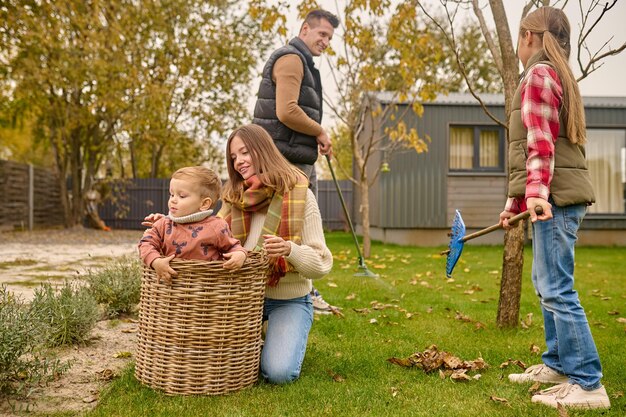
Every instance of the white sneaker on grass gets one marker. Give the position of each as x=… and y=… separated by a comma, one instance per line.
x=572, y=396
x=539, y=373
x=320, y=306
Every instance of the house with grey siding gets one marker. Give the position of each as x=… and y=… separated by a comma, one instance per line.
x=465, y=169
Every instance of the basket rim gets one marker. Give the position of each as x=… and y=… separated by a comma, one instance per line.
x=252, y=257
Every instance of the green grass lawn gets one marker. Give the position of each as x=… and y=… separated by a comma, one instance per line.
x=346, y=372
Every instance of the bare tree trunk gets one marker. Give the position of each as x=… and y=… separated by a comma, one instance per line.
x=364, y=206
x=133, y=158
x=510, y=63
x=76, y=201
x=157, y=152
x=57, y=149
x=513, y=256
x=120, y=160
x=65, y=200
x=511, y=284
x=365, y=216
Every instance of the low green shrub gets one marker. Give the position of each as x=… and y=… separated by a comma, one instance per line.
x=21, y=362
x=117, y=286
x=68, y=314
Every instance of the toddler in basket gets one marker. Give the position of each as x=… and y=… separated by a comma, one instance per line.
x=189, y=231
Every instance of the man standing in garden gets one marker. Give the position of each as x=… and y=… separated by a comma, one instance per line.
x=289, y=103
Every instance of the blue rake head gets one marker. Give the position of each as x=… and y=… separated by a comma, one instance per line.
x=456, y=243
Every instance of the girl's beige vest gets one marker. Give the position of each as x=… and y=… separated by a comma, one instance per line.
x=571, y=183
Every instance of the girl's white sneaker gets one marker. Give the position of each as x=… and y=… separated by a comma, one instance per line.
x=573, y=396
x=539, y=373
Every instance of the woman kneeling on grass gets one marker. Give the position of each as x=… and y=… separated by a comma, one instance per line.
x=268, y=205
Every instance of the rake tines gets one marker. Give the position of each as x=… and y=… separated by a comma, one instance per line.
x=455, y=247
x=458, y=238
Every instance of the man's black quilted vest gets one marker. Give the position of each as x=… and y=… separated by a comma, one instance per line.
x=297, y=147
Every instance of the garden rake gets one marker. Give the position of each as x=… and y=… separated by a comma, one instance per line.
x=458, y=237
x=363, y=271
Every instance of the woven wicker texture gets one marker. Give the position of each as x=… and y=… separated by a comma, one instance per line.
x=201, y=334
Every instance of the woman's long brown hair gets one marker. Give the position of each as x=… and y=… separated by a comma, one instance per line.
x=271, y=167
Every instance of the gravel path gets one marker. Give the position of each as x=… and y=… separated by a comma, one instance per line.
x=28, y=259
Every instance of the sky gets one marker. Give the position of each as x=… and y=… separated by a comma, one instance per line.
x=606, y=81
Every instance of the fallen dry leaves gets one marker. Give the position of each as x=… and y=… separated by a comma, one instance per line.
x=513, y=362
x=335, y=376
x=466, y=319
x=448, y=365
x=378, y=306
x=534, y=349
x=562, y=411
x=106, y=374
x=535, y=388
x=336, y=311
x=527, y=321
x=499, y=400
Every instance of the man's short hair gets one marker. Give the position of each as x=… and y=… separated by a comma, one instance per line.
x=314, y=16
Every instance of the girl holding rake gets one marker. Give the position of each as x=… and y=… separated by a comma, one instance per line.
x=547, y=168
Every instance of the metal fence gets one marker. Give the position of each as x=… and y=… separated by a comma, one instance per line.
x=333, y=217
x=131, y=200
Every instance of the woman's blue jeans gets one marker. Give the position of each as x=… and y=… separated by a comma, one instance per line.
x=571, y=349
x=288, y=326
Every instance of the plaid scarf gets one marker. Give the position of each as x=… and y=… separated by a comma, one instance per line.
x=284, y=217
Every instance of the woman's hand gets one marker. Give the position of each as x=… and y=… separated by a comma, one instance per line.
x=276, y=246
x=151, y=218
x=234, y=260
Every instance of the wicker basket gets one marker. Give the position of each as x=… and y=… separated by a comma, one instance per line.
x=201, y=334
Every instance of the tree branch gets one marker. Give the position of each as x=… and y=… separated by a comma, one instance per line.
x=452, y=43
x=495, y=53
x=585, y=31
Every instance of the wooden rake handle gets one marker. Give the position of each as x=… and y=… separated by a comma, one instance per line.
x=512, y=221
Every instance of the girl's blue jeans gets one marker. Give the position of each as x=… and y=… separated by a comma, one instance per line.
x=288, y=326
x=570, y=346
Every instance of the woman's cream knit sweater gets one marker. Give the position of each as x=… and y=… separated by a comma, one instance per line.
x=311, y=259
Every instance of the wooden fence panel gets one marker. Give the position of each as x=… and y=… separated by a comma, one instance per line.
x=15, y=201
x=14, y=189
x=48, y=206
